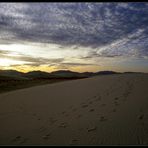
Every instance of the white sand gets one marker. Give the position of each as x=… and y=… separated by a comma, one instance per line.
x=103, y=110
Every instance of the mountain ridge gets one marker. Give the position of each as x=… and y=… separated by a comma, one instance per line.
x=55, y=74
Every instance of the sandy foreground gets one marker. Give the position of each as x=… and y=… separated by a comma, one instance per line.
x=102, y=110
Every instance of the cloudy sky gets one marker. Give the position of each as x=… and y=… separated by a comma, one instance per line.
x=74, y=36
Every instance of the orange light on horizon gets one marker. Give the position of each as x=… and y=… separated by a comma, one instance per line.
x=46, y=68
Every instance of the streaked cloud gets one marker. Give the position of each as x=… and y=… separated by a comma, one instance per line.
x=88, y=30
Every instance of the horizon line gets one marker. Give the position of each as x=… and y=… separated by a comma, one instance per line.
x=73, y=71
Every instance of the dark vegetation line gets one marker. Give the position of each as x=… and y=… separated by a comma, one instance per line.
x=13, y=80
x=10, y=85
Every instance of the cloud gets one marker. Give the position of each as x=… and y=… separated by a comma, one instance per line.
x=4, y=52
x=77, y=64
x=29, y=60
x=110, y=29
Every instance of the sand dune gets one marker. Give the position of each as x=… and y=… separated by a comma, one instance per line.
x=102, y=110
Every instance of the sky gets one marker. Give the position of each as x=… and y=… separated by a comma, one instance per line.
x=74, y=36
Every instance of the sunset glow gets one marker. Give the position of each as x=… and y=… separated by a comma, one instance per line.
x=50, y=37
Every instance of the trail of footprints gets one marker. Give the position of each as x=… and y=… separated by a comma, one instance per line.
x=59, y=124
x=83, y=105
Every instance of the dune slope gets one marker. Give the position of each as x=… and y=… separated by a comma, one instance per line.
x=102, y=110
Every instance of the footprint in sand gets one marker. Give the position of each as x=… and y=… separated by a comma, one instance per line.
x=116, y=103
x=116, y=98
x=19, y=140
x=84, y=106
x=88, y=99
x=102, y=118
x=52, y=120
x=140, y=117
x=92, y=110
x=126, y=94
x=74, y=141
x=42, y=129
x=65, y=114
x=63, y=125
x=35, y=115
x=114, y=110
x=98, y=99
x=46, y=137
x=91, y=129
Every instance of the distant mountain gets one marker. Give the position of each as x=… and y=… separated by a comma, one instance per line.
x=11, y=74
x=37, y=74
x=105, y=73
x=15, y=75
x=66, y=74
